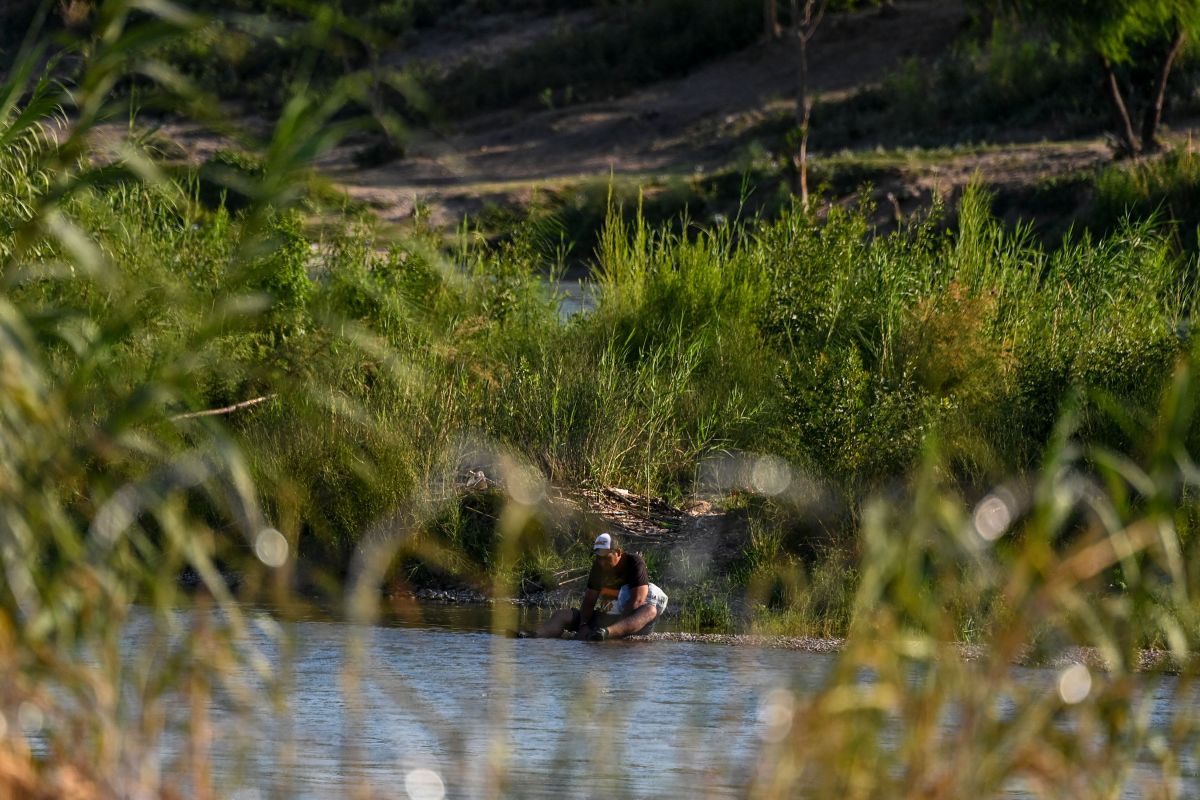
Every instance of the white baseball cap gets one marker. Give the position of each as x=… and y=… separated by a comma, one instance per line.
x=604, y=542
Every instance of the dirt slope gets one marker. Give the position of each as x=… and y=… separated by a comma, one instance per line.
x=674, y=127
x=704, y=121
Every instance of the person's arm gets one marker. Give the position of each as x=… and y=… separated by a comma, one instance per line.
x=587, y=610
x=637, y=598
x=638, y=584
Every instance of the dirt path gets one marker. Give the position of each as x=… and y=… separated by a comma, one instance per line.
x=707, y=120
x=700, y=121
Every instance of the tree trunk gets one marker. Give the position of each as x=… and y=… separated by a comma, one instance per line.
x=1153, y=115
x=1124, y=124
x=803, y=157
x=803, y=115
x=771, y=29
x=804, y=26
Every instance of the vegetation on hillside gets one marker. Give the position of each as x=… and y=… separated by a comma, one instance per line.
x=1145, y=36
x=989, y=438
x=800, y=334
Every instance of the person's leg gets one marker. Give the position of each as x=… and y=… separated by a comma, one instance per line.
x=641, y=620
x=642, y=616
x=648, y=628
x=565, y=619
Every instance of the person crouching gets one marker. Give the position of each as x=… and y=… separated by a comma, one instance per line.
x=619, y=600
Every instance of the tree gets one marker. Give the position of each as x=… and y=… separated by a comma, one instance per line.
x=771, y=29
x=806, y=18
x=1146, y=34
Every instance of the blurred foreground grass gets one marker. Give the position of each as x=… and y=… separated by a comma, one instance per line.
x=943, y=436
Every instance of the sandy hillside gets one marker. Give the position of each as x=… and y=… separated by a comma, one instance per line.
x=700, y=121
x=706, y=120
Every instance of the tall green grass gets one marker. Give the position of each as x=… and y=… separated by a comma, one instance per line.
x=834, y=348
x=1163, y=188
x=981, y=335
x=987, y=440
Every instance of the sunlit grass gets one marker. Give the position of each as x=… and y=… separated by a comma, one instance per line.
x=938, y=439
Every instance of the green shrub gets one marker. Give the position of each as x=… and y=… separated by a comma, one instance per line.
x=1166, y=188
x=703, y=610
x=994, y=88
x=228, y=178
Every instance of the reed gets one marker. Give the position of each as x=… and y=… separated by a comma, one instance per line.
x=1006, y=429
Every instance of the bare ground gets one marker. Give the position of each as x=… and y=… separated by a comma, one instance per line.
x=705, y=121
x=697, y=123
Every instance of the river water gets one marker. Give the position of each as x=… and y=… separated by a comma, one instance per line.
x=438, y=706
x=553, y=718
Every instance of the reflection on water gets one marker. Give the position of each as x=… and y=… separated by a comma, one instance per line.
x=574, y=297
x=547, y=718
x=466, y=618
x=438, y=706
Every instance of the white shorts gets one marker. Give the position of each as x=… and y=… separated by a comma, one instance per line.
x=656, y=596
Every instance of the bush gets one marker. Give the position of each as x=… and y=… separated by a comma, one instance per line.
x=1165, y=188
x=1015, y=83
x=704, y=611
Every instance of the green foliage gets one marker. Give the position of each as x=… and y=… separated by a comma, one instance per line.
x=1015, y=79
x=1114, y=29
x=791, y=588
x=127, y=308
x=702, y=610
x=227, y=178
x=1146, y=35
x=1001, y=84
x=1165, y=188
x=801, y=336
x=922, y=332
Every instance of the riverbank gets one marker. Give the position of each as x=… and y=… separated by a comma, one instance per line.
x=1148, y=660
x=1145, y=659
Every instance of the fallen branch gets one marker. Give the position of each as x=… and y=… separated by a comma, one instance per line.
x=213, y=412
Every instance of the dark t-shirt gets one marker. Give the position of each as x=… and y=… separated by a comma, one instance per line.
x=630, y=570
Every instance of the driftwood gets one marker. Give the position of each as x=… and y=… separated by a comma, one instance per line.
x=214, y=412
x=638, y=518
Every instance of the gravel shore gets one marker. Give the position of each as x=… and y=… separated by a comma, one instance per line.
x=1147, y=660
x=804, y=643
